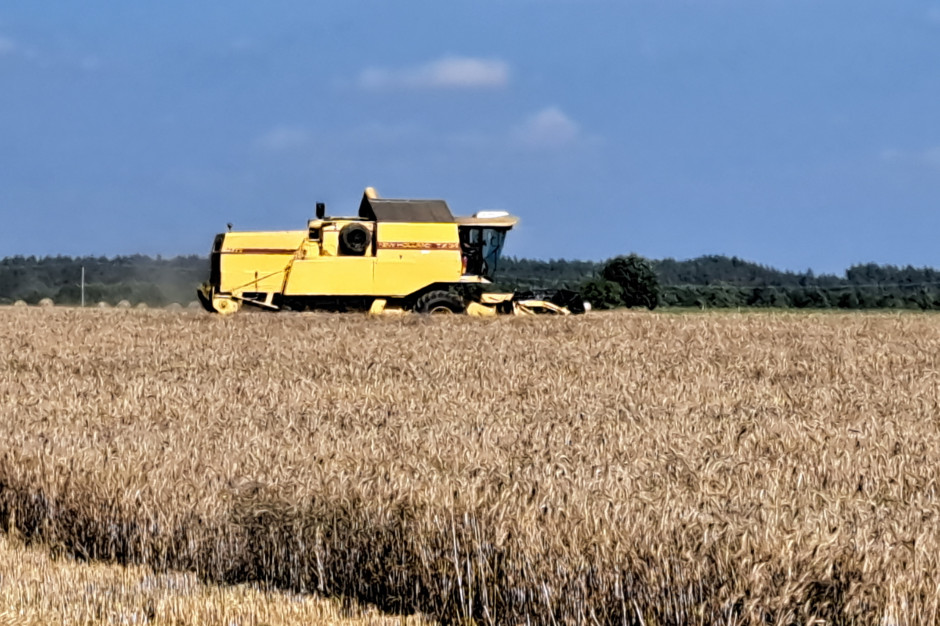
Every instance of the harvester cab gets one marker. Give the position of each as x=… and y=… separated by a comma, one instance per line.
x=481, y=241
x=392, y=256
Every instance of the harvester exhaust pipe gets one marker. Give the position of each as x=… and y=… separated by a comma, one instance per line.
x=321, y=210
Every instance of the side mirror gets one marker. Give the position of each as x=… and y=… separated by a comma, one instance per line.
x=321, y=210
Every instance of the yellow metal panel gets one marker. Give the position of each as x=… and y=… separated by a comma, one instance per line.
x=329, y=234
x=475, y=309
x=411, y=256
x=408, y=232
x=339, y=276
x=408, y=271
x=256, y=272
x=309, y=250
x=329, y=240
x=283, y=241
x=496, y=298
x=408, y=257
x=256, y=261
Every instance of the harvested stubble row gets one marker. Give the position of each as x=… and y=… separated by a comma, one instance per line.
x=37, y=589
x=623, y=468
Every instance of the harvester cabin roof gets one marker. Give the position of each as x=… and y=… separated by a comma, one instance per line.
x=389, y=210
x=497, y=219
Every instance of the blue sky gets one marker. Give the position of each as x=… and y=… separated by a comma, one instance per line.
x=795, y=133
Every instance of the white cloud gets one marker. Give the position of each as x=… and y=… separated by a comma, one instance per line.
x=282, y=138
x=446, y=73
x=7, y=46
x=549, y=128
x=44, y=59
x=929, y=156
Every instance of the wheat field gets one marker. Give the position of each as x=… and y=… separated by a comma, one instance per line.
x=38, y=589
x=638, y=468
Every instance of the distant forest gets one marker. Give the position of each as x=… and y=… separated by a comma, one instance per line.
x=716, y=281
x=704, y=282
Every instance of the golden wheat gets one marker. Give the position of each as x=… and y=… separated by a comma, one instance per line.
x=37, y=589
x=620, y=468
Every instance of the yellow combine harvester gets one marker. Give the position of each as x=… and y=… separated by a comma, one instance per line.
x=394, y=256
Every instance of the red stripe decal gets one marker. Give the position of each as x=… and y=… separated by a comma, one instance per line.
x=416, y=245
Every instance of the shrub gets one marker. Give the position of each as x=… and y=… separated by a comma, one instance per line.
x=636, y=278
x=602, y=293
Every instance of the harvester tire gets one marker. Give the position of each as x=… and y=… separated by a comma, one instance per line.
x=434, y=302
x=354, y=239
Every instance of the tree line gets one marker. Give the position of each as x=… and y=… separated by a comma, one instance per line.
x=136, y=278
x=712, y=281
x=717, y=281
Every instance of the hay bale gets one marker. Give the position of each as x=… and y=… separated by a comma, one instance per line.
x=194, y=305
x=103, y=305
x=20, y=303
x=175, y=306
x=141, y=305
x=124, y=304
x=46, y=302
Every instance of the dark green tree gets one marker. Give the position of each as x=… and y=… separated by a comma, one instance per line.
x=848, y=299
x=602, y=293
x=636, y=278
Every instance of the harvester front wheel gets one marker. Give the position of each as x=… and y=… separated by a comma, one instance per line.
x=437, y=302
x=225, y=306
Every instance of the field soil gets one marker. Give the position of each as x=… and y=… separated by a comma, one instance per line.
x=639, y=468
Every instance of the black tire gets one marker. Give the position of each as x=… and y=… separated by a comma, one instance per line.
x=435, y=302
x=354, y=239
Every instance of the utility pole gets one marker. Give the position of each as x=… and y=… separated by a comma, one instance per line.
x=83, y=286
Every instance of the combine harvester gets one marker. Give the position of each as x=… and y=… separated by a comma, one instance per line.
x=395, y=256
